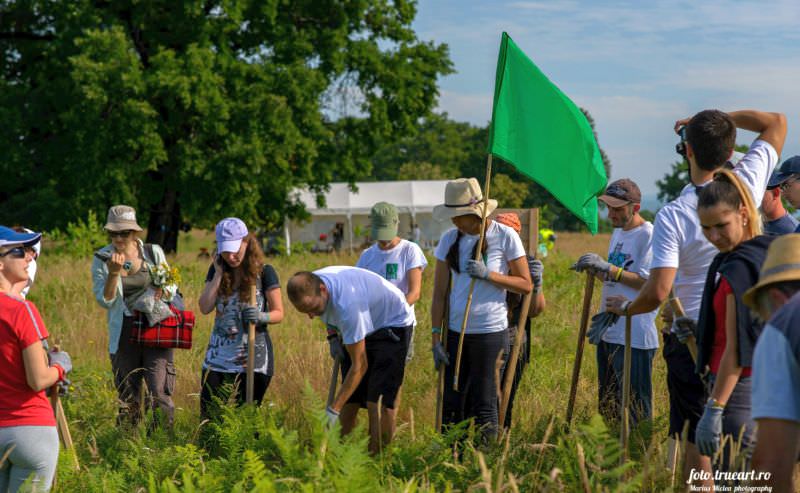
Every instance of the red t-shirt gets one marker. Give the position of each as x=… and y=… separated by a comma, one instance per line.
x=20, y=326
x=720, y=305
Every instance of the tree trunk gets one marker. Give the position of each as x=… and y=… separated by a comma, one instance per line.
x=165, y=222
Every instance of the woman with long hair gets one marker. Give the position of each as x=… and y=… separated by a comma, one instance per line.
x=503, y=267
x=238, y=265
x=121, y=277
x=28, y=436
x=726, y=330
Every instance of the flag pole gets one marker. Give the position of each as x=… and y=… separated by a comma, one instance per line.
x=472, y=282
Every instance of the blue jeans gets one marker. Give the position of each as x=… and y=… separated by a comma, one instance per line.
x=610, y=363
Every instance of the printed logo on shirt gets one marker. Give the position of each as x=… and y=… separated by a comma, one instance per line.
x=391, y=272
x=620, y=259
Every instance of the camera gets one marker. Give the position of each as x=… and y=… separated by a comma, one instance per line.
x=680, y=147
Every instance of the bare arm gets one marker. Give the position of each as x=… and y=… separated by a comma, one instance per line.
x=770, y=127
x=358, y=355
x=537, y=305
x=441, y=278
x=275, y=303
x=414, y=277
x=208, y=297
x=654, y=291
x=777, y=447
x=729, y=369
x=630, y=279
x=38, y=373
x=518, y=280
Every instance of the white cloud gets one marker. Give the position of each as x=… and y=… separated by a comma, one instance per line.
x=473, y=108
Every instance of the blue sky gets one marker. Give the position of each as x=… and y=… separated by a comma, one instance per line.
x=636, y=66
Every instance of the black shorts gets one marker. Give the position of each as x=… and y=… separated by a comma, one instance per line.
x=687, y=393
x=386, y=365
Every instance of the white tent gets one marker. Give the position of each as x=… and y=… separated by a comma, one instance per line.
x=414, y=201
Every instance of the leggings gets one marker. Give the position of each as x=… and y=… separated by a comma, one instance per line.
x=476, y=396
x=34, y=454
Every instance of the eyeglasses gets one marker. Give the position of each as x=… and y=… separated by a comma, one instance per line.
x=119, y=234
x=19, y=252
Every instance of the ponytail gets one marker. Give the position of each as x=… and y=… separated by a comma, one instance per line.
x=453, y=256
x=728, y=189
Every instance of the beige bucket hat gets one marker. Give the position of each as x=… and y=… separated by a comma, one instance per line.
x=782, y=264
x=122, y=218
x=461, y=197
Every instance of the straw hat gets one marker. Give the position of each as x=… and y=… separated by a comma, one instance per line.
x=782, y=264
x=461, y=197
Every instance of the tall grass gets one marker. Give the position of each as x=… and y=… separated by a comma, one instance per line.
x=284, y=446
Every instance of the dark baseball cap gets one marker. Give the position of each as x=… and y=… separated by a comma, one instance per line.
x=621, y=192
x=789, y=167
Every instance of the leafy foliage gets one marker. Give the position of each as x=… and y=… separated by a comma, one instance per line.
x=192, y=111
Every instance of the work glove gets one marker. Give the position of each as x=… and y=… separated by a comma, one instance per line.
x=591, y=261
x=683, y=328
x=536, y=269
x=477, y=269
x=440, y=356
x=60, y=358
x=708, y=434
x=333, y=416
x=600, y=324
x=336, y=348
x=251, y=314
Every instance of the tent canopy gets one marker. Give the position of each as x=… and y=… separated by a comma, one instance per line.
x=408, y=196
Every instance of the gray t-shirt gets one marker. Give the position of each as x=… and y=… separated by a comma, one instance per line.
x=227, y=346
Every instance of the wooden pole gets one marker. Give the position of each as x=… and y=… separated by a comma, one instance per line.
x=511, y=364
x=678, y=311
x=588, y=290
x=334, y=381
x=626, y=391
x=62, y=425
x=472, y=282
x=251, y=350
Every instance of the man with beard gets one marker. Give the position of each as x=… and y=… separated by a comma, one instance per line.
x=624, y=273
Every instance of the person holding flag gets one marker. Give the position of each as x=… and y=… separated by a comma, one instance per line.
x=504, y=267
x=682, y=254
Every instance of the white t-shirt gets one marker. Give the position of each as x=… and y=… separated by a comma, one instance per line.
x=394, y=264
x=678, y=240
x=631, y=251
x=488, y=311
x=362, y=302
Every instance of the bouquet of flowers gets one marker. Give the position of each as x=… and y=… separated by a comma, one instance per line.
x=154, y=302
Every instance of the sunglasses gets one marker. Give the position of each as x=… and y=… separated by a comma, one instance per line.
x=788, y=182
x=19, y=252
x=119, y=234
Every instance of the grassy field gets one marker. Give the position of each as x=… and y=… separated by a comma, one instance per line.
x=284, y=447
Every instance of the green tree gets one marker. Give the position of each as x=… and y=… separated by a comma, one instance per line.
x=509, y=194
x=422, y=171
x=191, y=111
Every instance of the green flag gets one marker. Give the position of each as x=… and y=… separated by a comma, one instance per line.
x=537, y=129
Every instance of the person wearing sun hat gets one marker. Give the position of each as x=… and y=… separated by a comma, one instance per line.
x=775, y=397
x=397, y=260
x=238, y=264
x=28, y=437
x=120, y=276
x=503, y=267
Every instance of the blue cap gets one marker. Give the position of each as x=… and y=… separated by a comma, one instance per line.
x=10, y=237
x=789, y=167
